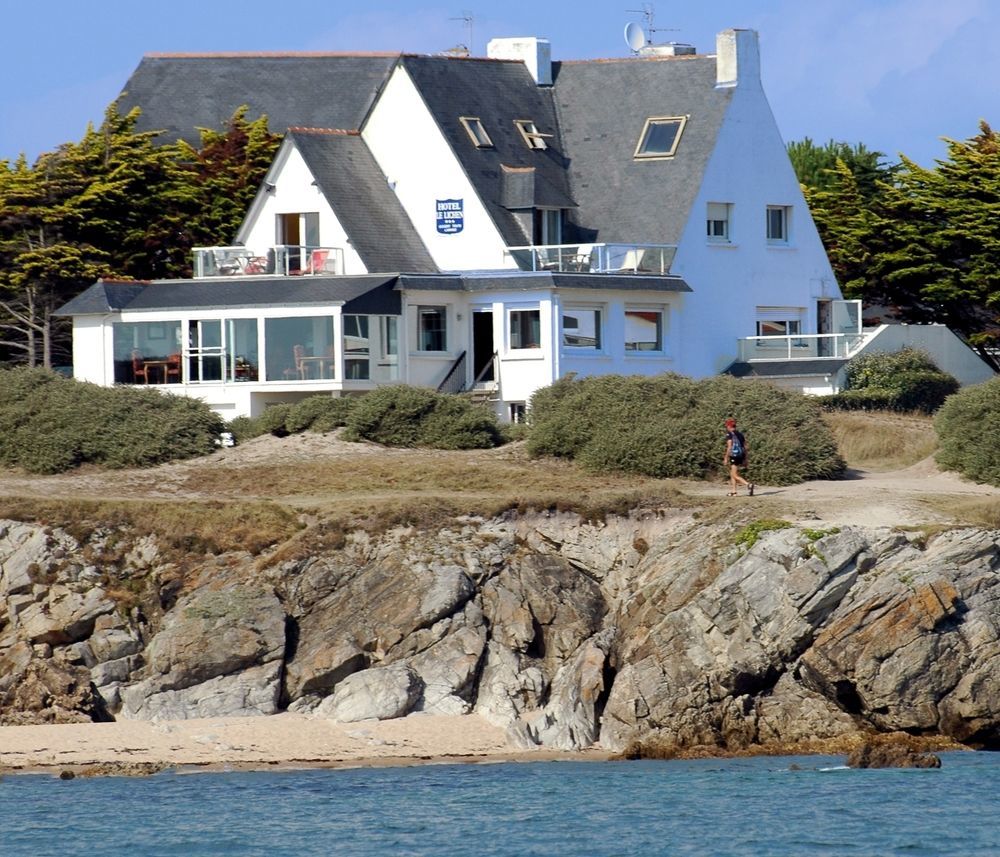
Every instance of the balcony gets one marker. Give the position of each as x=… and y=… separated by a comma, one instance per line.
x=594, y=258
x=810, y=346
x=284, y=260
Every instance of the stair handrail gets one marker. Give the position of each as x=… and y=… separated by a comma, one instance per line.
x=444, y=386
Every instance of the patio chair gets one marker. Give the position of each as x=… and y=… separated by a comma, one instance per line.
x=139, y=367
x=317, y=261
x=174, y=367
x=299, y=353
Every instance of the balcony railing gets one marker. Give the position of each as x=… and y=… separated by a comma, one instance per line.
x=284, y=260
x=805, y=347
x=594, y=258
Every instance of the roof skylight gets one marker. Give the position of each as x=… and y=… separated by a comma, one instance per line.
x=534, y=138
x=660, y=136
x=474, y=128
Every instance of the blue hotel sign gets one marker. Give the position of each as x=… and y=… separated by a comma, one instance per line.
x=450, y=216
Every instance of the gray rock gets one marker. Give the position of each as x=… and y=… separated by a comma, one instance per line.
x=251, y=692
x=381, y=693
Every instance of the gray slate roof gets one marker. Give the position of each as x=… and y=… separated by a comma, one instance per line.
x=376, y=294
x=603, y=106
x=179, y=93
x=786, y=368
x=372, y=293
x=497, y=92
x=359, y=194
x=489, y=281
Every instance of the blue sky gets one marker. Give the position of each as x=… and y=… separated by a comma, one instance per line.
x=893, y=74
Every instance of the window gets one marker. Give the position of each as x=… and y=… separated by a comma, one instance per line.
x=518, y=412
x=474, y=128
x=525, y=328
x=581, y=328
x=357, y=348
x=431, y=328
x=548, y=226
x=643, y=330
x=777, y=224
x=788, y=327
x=534, y=138
x=718, y=222
x=660, y=136
x=299, y=348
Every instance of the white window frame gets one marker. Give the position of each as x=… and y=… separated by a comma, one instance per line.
x=786, y=219
x=477, y=132
x=661, y=331
x=537, y=310
x=651, y=122
x=533, y=138
x=419, y=341
x=600, y=316
x=718, y=219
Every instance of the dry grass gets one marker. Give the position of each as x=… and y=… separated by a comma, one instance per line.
x=426, y=486
x=973, y=511
x=882, y=441
x=202, y=527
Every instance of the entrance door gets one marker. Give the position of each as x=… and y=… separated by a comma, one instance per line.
x=482, y=345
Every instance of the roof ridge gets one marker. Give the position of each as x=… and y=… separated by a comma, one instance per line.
x=650, y=58
x=334, y=132
x=252, y=54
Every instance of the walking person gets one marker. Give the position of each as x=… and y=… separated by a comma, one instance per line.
x=736, y=457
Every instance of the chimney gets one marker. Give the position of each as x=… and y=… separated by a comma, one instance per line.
x=737, y=61
x=535, y=53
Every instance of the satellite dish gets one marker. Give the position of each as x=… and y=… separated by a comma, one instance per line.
x=635, y=36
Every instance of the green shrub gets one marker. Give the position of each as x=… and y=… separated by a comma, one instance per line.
x=274, y=419
x=967, y=426
x=49, y=424
x=671, y=426
x=246, y=428
x=904, y=380
x=318, y=413
x=414, y=416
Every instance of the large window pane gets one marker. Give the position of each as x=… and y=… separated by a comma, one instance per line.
x=643, y=330
x=525, y=328
x=431, y=328
x=243, y=358
x=357, y=348
x=298, y=348
x=581, y=328
x=147, y=352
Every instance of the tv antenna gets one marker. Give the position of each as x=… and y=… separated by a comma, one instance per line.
x=467, y=19
x=637, y=38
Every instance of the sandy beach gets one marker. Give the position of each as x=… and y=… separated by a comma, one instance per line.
x=289, y=740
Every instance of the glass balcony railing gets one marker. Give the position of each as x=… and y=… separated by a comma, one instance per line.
x=285, y=260
x=594, y=258
x=800, y=347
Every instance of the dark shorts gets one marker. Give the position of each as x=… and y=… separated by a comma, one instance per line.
x=738, y=460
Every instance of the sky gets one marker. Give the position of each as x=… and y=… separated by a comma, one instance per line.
x=895, y=75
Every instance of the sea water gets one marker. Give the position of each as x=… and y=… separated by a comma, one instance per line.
x=763, y=806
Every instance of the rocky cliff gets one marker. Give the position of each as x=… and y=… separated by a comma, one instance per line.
x=655, y=625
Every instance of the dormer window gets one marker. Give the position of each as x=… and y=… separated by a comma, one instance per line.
x=660, y=136
x=474, y=128
x=534, y=138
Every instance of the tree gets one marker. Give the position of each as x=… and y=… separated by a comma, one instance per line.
x=116, y=204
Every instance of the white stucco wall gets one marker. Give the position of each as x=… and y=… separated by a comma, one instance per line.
x=945, y=348
x=418, y=162
x=295, y=192
x=750, y=170
x=92, y=349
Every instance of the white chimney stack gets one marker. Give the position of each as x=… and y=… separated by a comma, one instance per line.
x=737, y=61
x=535, y=53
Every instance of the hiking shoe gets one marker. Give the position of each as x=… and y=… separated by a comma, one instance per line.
x=750, y=488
